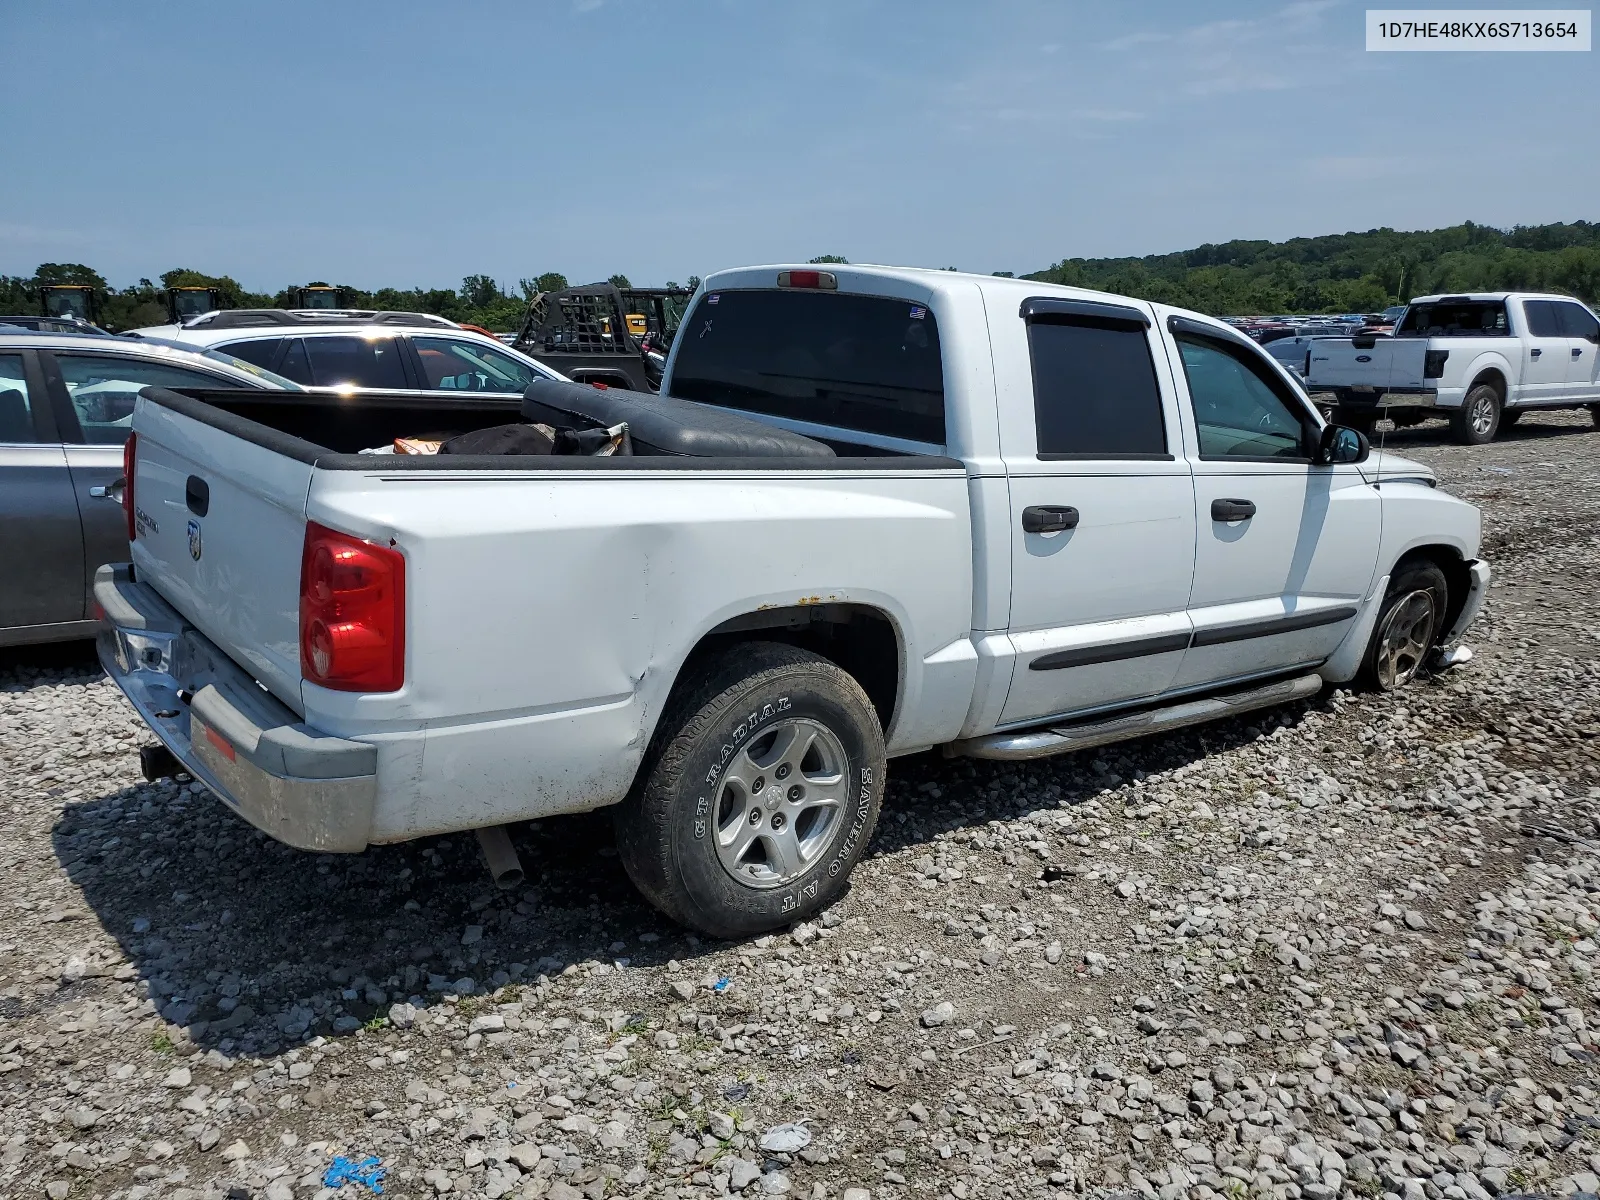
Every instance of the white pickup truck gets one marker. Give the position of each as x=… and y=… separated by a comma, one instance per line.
x=874, y=511
x=1481, y=359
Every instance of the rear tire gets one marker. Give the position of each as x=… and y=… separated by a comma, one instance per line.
x=759, y=793
x=1409, y=625
x=1478, y=419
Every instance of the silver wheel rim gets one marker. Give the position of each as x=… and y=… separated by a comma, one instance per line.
x=1482, y=415
x=780, y=803
x=1404, y=639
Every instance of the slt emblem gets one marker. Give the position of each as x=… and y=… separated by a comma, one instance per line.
x=194, y=540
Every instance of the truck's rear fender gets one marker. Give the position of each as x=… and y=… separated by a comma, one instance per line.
x=549, y=616
x=1489, y=366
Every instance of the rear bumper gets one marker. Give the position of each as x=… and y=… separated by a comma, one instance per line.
x=1387, y=398
x=287, y=779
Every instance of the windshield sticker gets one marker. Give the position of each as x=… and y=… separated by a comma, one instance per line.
x=918, y=312
x=713, y=298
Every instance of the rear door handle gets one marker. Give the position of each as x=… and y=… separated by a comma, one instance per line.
x=1232, y=510
x=1577, y=352
x=1535, y=352
x=111, y=491
x=1049, y=518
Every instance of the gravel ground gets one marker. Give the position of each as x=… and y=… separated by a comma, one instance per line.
x=1343, y=949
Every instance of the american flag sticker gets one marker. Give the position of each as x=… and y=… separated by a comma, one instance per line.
x=918, y=312
x=713, y=298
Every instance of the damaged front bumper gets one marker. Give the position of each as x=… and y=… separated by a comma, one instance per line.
x=302, y=787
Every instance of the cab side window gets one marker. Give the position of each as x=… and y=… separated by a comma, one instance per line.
x=104, y=387
x=1094, y=390
x=341, y=361
x=1239, y=412
x=16, y=413
x=453, y=365
x=1542, y=319
x=1576, y=320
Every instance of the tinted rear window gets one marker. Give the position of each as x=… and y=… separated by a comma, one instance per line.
x=1460, y=318
x=1094, y=392
x=1575, y=320
x=863, y=363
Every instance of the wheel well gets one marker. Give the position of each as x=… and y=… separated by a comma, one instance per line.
x=1493, y=378
x=861, y=640
x=1457, y=576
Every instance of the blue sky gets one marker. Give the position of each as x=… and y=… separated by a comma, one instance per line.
x=405, y=143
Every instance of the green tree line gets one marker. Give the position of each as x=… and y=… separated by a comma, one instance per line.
x=1345, y=272
x=1351, y=272
x=479, y=300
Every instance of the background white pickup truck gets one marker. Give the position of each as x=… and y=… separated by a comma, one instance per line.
x=1038, y=519
x=1481, y=359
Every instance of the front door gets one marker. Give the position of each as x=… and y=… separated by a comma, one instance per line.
x=1583, y=342
x=1545, y=354
x=1285, y=549
x=1102, y=514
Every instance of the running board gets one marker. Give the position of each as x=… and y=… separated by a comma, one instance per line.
x=1041, y=742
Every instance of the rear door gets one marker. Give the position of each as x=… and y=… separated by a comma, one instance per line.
x=1544, y=354
x=1102, y=510
x=1285, y=549
x=41, y=539
x=1583, y=341
x=95, y=396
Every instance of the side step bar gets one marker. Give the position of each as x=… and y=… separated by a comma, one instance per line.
x=1041, y=742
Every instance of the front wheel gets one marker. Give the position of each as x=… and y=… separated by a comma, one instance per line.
x=1409, y=624
x=759, y=794
x=1478, y=419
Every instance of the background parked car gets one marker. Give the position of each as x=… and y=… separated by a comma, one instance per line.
x=66, y=407
x=382, y=354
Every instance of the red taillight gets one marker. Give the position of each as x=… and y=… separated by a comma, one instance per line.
x=129, y=454
x=826, y=280
x=352, y=613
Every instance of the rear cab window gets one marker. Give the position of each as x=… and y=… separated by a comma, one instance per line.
x=863, y=364
x=1455, y=318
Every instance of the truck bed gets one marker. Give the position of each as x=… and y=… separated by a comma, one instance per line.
x=549, y=601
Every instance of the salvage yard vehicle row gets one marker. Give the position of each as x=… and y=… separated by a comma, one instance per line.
x=875, y=511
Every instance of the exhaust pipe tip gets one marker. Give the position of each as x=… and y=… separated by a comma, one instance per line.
x=505, y=868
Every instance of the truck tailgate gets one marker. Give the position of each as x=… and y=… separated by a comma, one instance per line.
x=220, y=525
x=1389, y=363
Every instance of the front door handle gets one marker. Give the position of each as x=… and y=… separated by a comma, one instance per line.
x=1535, y=352
x=1232, y=510
x=1049, y=518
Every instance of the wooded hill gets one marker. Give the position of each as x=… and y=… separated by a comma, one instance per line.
x=1351, y=272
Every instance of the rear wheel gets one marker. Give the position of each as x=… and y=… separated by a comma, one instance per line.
x=1478, y=419
x=759, y=793
x=1409, y=624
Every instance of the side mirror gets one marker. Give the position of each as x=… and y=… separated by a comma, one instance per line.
x=1339, y=444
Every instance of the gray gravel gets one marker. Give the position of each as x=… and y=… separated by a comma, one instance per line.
x=1341, y=949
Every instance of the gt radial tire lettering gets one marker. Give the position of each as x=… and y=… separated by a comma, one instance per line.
x=702, y=804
